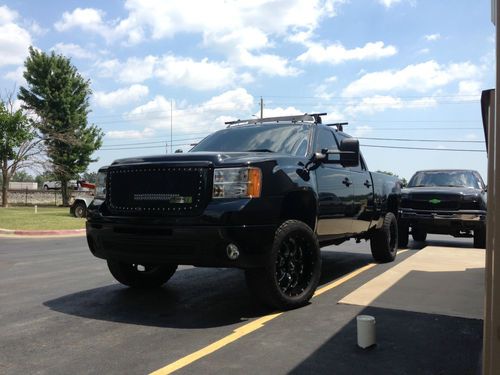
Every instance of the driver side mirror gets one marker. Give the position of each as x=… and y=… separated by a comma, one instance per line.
x=348, y=153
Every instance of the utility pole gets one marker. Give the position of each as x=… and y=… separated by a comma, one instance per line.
x=261, y=107
x=171, y=116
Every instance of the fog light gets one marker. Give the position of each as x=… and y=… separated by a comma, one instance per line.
x=232, y=251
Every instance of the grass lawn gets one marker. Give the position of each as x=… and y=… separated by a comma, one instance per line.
x=46, y=218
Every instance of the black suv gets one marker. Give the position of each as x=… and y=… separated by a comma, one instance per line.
x=262, y=195
x=444, y=202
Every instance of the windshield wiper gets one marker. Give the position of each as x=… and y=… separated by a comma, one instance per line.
x=260, y=150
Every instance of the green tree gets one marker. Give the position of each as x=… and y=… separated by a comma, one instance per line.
x=23, y=176
x=59, y=96
x=90, y=177
x=18, y=146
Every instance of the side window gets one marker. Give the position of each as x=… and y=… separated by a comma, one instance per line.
x=361, y=167
x=325, y=139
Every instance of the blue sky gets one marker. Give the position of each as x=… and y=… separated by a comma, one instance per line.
x=394, y=69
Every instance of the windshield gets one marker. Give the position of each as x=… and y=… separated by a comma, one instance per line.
x=445, y=178
x=286, y=139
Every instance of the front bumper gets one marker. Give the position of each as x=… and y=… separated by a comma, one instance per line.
x=195, y=245
x=443, y=222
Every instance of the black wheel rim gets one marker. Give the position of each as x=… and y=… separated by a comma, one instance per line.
x=294, y=265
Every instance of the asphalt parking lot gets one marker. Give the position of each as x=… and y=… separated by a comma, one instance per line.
x=61, y=312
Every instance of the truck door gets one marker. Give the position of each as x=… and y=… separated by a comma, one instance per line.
x=335, y=190
x=363, y=194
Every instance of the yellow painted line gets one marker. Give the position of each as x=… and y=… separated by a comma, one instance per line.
x=248, y=328
x=343, y=279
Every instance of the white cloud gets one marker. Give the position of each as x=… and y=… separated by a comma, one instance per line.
x=336, y=53
x=130, y=134
x=432, y=37
x=227, y=26
x=72, y=50
x=419, y=77
x=267, y=64
x=173, y=71
x=361, y=131
x=197, y=75
x=87, y=19
x=14, y=40
x=380, y=103
x=423, y=51
x=187, y=119
x=121, y=96
x=233, y=100
x=389, y=3
x=16, y=76
x=7, y=15
x=469, y=88
x=137, y=70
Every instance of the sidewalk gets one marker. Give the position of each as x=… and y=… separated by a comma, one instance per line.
x=41, y=233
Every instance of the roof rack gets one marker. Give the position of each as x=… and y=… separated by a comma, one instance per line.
x=306, y=117
x=339, y=125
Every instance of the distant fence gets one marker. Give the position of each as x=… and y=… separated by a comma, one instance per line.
x=26, y=197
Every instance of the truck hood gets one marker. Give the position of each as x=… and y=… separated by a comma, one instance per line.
x=442, y=190
x=218, y=159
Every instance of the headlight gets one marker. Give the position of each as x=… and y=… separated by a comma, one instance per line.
x=237, y=182
x=100, y=186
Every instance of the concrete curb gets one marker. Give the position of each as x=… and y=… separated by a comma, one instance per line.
x=60, y=232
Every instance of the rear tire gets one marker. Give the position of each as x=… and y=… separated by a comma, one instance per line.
x=80, y=209
x=418, y=235
x=480, y=237
x=291, y=275
x=403, y=234
x=384, y=241
x=141, y=276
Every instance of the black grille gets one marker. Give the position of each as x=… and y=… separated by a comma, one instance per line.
x=432, y=202
x=157, y=190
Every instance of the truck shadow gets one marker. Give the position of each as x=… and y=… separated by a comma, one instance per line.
x=441, y=241
x=193, y=298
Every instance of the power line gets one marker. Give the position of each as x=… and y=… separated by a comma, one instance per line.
x=419, y=140
x=424, y=148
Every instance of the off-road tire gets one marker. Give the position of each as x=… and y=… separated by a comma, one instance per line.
x=418, y=234
x=80, y=209
x=384, y=241
x=293, y=268
x=151, y=277
x=403, y=234
x=480, y=237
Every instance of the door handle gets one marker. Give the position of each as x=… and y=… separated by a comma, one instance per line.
x=347, y=182
x=367, y=184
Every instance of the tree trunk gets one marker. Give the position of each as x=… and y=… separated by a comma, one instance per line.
x=5, y=185
x=64, y=192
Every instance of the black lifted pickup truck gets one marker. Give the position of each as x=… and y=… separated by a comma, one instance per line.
x=262, y=195
x=444, y=202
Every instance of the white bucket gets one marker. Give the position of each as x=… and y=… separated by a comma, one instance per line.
x=366, y=331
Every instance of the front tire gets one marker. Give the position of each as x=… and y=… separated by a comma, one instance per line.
x=291, y=275
x=384, y=241
x=480, y=237
x=403, y=234
x=141, y=276
x=418, y=234
x=80, y=210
